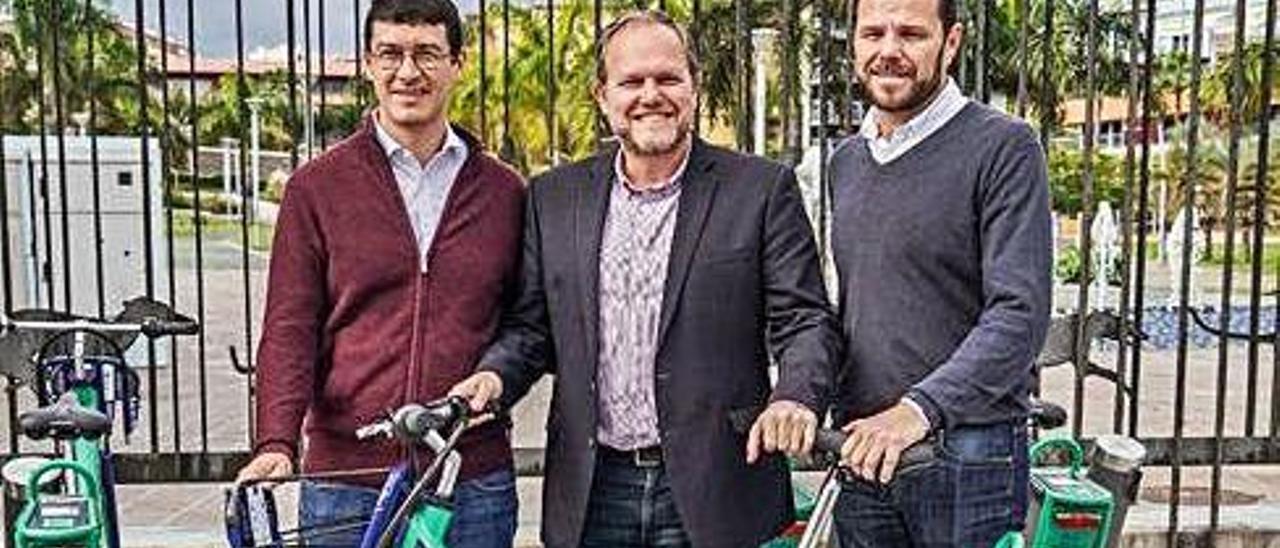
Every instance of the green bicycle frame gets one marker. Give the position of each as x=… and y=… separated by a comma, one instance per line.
x=85, y=463
x=427, y=527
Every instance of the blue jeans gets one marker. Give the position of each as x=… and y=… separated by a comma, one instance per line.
x=484, y=511
x=970, y=494
x=631, y=507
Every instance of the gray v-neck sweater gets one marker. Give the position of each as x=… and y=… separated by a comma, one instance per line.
x=944, y=258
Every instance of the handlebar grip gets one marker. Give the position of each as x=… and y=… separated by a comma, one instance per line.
x=1047, y=415
x=828, y=442
x=157, y=327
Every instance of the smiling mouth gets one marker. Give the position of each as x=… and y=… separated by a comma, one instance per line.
x=659, y=116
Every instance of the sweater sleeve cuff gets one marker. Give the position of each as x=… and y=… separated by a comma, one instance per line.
x=925, y=405
x=813, y=403
x=276, y=446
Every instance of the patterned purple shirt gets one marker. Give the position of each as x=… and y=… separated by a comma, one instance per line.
x=633, y=271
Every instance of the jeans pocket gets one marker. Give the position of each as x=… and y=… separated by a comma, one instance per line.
x=989, y=445
x=494, y=482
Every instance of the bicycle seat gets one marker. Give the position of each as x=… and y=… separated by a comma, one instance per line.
x=64, y=420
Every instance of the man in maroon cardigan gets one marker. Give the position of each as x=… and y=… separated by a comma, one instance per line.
x=392, y=254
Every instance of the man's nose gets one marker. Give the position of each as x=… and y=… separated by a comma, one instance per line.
x=649, y=91
x=892, y=46
x=408, y=70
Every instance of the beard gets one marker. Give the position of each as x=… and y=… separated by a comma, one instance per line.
x=653, y=141
x=919, y=93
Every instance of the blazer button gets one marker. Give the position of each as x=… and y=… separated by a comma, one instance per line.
x=591, y=443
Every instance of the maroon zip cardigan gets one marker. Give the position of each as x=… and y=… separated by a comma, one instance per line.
x=354, y=328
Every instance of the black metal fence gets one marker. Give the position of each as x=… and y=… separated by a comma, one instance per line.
x=1132, y=107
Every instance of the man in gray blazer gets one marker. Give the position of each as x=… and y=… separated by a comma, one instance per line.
x=660, y=278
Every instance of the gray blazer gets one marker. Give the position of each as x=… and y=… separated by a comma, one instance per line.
x=743, y=287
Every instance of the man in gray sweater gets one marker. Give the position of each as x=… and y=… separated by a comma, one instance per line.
x=942, y=244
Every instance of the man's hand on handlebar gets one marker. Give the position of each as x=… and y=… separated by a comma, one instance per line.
x=266, y=466
x=481, y=390
x=876, y=443
x=784, y=426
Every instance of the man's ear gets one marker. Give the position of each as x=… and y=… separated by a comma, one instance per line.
x=951, y=44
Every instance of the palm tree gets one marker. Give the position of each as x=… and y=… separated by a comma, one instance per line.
x=1069, y=54
x=1210, y=200
x=1172, y=79
x=112, y=82
x=1216, y=95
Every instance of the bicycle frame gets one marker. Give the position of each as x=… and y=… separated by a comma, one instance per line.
x=85, y=378
x=427, y=525
x=406, y=515
x=91, y=385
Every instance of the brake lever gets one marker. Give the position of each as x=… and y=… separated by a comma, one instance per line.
x=382, y=428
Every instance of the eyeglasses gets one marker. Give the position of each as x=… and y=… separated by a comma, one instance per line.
x=389, y=60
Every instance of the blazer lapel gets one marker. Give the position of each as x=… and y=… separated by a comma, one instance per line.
x=591, y=205
x=696, y=195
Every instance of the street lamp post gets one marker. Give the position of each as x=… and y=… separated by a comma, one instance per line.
x=255, y=142
x=759, y=38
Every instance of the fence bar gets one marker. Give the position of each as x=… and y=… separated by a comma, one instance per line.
x=44, y=264
x=1144, y=187
x=60, y=122
x=824, y=83
x=552, y=151
x=1224, y=314
x=966, y=49
x=742, y=60
x=1083, y=341
x=355, y=26
x=695, y=30
x=94, y=168
x=1261, y=188
x=310, y=116
x=790, y=45
x=6, y=274
x=1189, y=195
x=324, y=62
x=1126, y=222
x=199, y=217
x=167, y=157
x=291, y=38
x=484, y=73
x=508, y=145
x=6, y=265
x=1024, y=14
x=144, y=131
x=1047, y=102
x=981, y=91
x=1255, y=303
x=242, y=108
x=33, y=190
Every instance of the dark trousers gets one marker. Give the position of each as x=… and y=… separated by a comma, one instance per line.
x=970, y=494
x=631, y=505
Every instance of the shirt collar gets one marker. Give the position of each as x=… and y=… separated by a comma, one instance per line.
x=671, y=185
x=948, y=102
x=453, y=143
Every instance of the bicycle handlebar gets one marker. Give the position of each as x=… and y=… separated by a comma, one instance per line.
x=159, y=327
x=414, y=421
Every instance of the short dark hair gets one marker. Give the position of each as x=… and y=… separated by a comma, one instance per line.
x=651, y=17
x=416, y=12
x=946, y=11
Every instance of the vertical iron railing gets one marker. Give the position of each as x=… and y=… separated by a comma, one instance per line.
x=1189, y=183
x=1224, y=319
x=197, y=214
